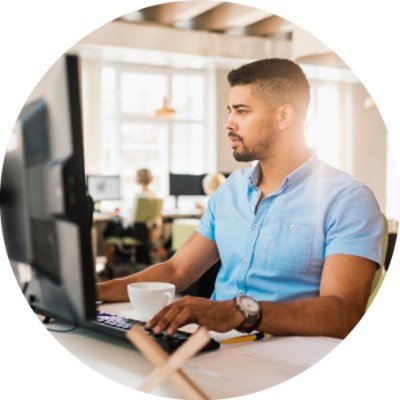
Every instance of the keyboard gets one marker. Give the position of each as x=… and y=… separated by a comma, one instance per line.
x=116, y=325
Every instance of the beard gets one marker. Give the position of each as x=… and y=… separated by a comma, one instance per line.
x=259, y=151
x=243, y=155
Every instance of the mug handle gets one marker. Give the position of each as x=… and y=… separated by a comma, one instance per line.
x=169, y=297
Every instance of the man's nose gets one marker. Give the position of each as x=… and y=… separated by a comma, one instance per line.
x=230, y=124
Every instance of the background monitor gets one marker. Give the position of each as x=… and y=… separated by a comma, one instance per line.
x=186, y=185
x=45, y=214
x=104, y=187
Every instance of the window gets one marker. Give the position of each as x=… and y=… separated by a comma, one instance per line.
x=323, y=122
x=134, y=138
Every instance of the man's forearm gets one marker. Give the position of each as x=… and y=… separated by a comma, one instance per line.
x=324, y=315
x=186, y=266
x=115, y=290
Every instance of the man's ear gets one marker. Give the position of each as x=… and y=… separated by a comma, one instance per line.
x=285, y=115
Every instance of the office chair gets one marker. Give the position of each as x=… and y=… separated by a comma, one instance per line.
x=182, y=228
x=381, y=273
x=129, y=249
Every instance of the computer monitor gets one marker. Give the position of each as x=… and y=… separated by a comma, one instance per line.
x=103, y=188
x=45, y=213
x=186, y=185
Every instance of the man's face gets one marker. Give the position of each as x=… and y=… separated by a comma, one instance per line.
x=251, y=127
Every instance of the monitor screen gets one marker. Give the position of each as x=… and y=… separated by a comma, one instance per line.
x=104, y=187
x=186, y=185
x=45, y=213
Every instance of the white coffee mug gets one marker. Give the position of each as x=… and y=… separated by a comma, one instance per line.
x=147, y=298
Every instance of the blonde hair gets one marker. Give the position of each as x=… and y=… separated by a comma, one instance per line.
x=144, y=176
x=211, y=182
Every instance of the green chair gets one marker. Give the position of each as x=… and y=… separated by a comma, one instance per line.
x=130, y=251
x=381, y=273
x=182, y=228
x=148, y=210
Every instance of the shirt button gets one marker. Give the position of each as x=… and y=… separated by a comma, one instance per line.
x=255, y=194
x=245, y=260
x=240, y=293
x=255, y=226
x=292, y=227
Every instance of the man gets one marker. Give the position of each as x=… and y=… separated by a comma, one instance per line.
x=299, y=241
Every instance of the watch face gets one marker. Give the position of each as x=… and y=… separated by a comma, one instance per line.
x=249, y=304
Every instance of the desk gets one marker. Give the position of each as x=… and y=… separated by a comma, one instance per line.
x=174, y=213
x=100, y=220
x=233, y=370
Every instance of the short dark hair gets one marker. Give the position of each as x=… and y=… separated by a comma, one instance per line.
x=282, y=79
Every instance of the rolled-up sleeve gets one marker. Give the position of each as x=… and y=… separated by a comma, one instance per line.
x=206, y=226
x=355, y=225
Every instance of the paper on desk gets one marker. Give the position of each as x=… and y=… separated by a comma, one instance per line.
x=248, y=367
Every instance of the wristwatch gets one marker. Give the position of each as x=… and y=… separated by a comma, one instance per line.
x=251, y=311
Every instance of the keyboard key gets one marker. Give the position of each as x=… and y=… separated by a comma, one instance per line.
x=168, y=342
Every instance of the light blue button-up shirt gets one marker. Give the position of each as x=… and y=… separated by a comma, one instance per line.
x=277, y=252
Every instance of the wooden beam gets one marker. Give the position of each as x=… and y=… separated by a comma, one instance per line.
x=226, y=16
x=171, y=13
x=270, y=26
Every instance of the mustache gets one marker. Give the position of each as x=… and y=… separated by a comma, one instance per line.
x=235, y=135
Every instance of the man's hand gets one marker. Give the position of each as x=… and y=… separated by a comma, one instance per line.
x=219, y=316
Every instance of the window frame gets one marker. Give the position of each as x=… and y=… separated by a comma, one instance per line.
x=113, y=165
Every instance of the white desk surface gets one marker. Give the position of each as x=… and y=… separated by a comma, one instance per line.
x=181, y=213
x=102, y=216
x=166, y=213
x=233, y=370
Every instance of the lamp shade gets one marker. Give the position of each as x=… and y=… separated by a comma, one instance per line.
x=165, y=111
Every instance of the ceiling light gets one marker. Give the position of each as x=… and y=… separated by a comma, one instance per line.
x=165, y=111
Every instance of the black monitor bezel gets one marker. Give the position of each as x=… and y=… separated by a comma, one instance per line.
x=76, y=307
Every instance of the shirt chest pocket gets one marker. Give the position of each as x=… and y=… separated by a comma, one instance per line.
x=286, y=246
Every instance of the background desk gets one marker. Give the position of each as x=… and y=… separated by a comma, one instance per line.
x=234, y=370
x=174, y=213
x=100, y=220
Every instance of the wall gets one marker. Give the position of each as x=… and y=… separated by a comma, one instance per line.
x=368, y=144
x=91, y=111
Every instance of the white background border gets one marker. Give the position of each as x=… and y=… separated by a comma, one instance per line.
x=33, y=34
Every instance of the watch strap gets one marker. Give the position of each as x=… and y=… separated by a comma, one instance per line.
x=250, y=324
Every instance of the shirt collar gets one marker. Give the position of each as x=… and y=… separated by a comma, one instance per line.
x=254, y=175
x=295, y=177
